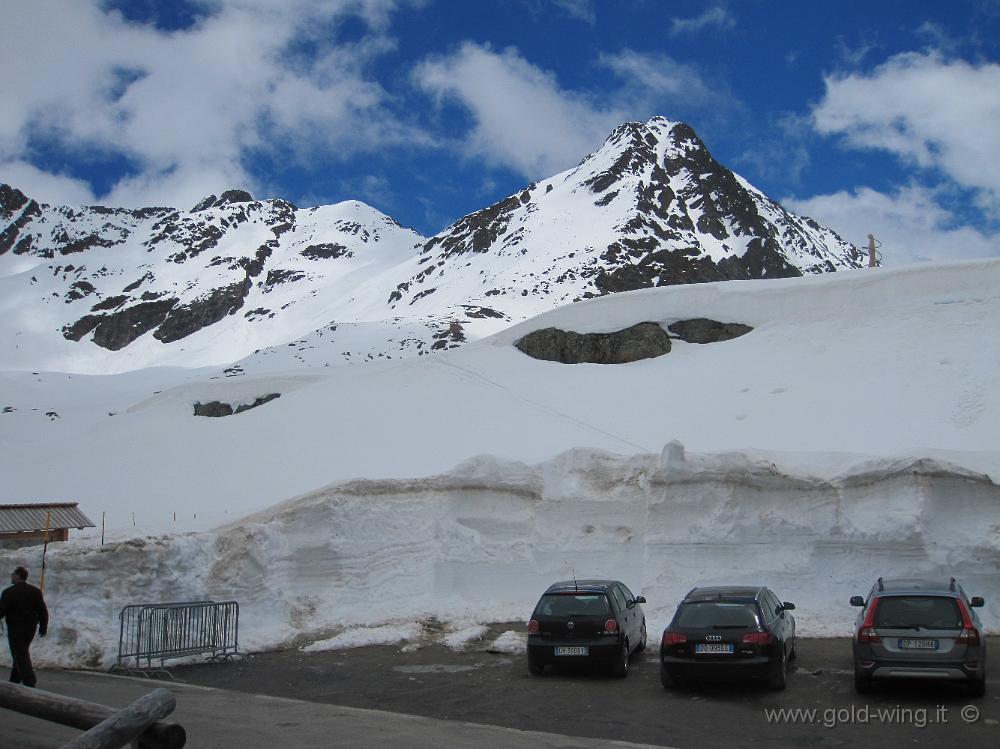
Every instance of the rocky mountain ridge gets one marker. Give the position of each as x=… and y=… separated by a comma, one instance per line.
x=99, y=289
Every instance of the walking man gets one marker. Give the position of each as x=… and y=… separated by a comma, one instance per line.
x=24, y=609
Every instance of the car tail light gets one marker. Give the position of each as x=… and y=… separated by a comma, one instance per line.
x=970, y=635
x=672, y=638
x=533, y=627
x=611, y=625
x=867, y=632
x=758, y=638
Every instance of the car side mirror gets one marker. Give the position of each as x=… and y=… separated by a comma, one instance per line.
x=788, y=606
x=857, y=601
x=977, y=602
x=640, y=599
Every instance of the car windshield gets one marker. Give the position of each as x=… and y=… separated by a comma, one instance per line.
x=716, y=614
x=926, y=612
x=574, y=604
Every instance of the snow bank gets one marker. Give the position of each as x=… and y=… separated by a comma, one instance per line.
x=481, y=542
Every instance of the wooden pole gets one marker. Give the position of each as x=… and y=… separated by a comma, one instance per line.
x=102, y=528
x=126, y=724
x=872, y=254
x=84, y=715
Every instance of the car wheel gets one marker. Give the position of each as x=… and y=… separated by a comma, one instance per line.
x=862, y=682
x=535, y=668
x=780, y=680
x=793, y=654
x=621, y=665
x=977, y=687
x=642, y=640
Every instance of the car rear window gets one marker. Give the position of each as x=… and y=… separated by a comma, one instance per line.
x=709, y=614
x=574, y=604
x=927, y=612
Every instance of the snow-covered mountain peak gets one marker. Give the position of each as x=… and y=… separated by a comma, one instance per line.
x=650, y=207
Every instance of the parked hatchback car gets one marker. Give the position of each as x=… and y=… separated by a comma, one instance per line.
x=919, y=629
x=586, y=621
x=728, y=632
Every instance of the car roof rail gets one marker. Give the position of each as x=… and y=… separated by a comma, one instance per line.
x=881, y=585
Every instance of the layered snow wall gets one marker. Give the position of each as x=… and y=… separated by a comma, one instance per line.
x=482, y=542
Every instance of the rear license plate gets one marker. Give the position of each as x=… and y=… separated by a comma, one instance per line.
x=715, y=648
x=918, y=644
x=571, y=651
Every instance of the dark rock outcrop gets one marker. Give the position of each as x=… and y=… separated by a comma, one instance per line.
x=643, y=341
x=326, y=251
x=190, y=318
x=703, y=330
x=118, y=330
x=218, y=408
x=229, y=196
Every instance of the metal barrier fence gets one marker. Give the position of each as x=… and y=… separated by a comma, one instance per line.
x=159, y=631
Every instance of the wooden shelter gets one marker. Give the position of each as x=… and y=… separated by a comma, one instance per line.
x=25, y=524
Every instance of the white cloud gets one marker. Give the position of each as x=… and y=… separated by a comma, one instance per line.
x=523, y=120
x=930, y=112
x=186, y=106
x=660, y=75
x=718, y=16
x=54, y=189
x=582, y=10
x=909, y=222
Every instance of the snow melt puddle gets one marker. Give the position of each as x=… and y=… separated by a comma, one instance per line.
x=435, y=668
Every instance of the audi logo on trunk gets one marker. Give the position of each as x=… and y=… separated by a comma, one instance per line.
x=714, y=638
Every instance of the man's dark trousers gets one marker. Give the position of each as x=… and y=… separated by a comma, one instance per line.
x=21, y=671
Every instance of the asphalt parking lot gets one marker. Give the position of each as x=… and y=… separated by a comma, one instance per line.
x=495, y=689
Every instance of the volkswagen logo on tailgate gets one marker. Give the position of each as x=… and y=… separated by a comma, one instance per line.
x=570, y=625
x=713, y=638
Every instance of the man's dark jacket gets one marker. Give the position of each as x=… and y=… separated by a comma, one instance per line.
x=24, y=607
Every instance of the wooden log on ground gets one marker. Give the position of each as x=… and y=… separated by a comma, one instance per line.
x=128, y=723
x=68, y=711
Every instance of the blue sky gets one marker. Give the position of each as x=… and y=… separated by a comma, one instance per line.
x=881, y=117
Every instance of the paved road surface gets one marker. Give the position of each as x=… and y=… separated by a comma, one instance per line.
x=477, y=699
x=223, y=719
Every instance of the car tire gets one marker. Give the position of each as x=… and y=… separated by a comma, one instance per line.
x=793, y=654
x=780, y=679
x=862, y=682
x=642, y=640
x=535, y=668
x=977, y=687
x=620, y=669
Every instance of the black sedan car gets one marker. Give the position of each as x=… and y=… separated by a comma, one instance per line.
x=728, y=633
x=586, y=621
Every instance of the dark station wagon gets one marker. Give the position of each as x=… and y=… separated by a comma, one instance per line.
x=728, y=632
x=586, y=621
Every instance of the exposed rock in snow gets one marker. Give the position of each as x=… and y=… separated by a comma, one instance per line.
x=643, y=340
x=701, y=330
